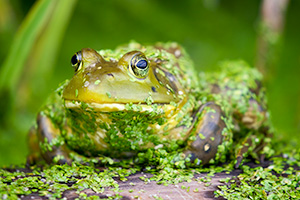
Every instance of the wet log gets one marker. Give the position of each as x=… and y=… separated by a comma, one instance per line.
x=135, y=188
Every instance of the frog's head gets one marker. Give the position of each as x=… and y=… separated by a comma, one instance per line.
x=111, y=83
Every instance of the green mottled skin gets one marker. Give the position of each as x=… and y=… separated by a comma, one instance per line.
x=137, y=98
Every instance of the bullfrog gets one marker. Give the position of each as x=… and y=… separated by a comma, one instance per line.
x=137, y=98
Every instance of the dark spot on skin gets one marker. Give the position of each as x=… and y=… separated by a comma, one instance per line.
x=110, y=75
x=153, y=89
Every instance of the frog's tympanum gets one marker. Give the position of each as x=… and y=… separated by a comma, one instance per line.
x=123, y=102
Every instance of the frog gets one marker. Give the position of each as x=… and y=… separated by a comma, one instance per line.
x=136, y=98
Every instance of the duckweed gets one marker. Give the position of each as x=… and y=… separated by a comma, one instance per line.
x=52, y=181
x=279, y=180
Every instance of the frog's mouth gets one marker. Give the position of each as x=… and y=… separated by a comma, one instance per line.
x=112, y=107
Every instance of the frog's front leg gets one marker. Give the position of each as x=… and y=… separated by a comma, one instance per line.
x=208, y=132
x=46, y=143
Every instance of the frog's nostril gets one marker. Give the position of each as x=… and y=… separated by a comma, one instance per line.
x=111, y=75
x=153, y=89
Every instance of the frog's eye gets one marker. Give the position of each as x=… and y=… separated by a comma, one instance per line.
x=76, y=61
x=139, y=65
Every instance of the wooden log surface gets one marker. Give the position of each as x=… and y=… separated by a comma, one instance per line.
x=135, y=188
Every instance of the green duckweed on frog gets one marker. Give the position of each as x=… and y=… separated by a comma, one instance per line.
x=139, y=100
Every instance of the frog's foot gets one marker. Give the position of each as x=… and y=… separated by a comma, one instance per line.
x=250, y=144
x=51, y=144
x=208, y=133
x=242, y=150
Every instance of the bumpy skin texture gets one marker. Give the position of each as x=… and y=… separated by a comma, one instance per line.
x=137, y=97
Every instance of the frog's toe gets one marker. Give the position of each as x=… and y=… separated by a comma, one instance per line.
x=201, y=154
x=238, y=161
x=193, y=158
x=61, y=158
x=31, y=160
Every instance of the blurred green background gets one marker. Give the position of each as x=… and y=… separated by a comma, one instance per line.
x=38, y=52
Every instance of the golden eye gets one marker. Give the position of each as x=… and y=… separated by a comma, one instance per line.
x=139, y=65
x=76, y=61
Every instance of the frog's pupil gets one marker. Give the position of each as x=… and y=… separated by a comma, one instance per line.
x=74, y=60
x=142, y=64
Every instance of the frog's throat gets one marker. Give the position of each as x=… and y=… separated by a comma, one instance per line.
x=111, y=107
